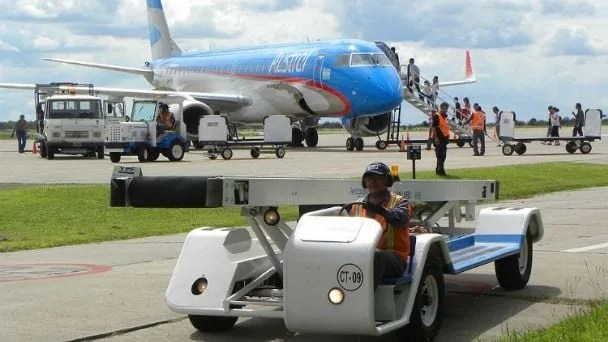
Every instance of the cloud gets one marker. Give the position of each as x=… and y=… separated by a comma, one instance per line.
x=573, y=40
x=568, y=8
x=45, y=43
x=4, y=46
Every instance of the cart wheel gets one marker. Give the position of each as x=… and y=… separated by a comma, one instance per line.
x=427, y=313
x=114, y=157
x=513, y=272
x=212, y=323
x=227, y=153
x=255, y=152
x=507, y=150
x=571, y=147
x=460, y=143
x=142, y=153
x=585, y=147
x=520, y=148
x=176, y=151
x=280, y=152
x=381, y=145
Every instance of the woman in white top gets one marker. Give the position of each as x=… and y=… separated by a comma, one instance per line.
x=555, y=124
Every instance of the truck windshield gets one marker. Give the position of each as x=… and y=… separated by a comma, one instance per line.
x=143, y=111
x=75, y=109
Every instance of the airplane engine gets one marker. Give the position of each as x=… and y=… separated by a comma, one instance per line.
x=193, y=111
x=367, y=126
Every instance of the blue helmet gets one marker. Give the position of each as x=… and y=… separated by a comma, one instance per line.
x=378, y=168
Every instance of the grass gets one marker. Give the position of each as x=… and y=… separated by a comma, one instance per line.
x=57, y=215
x=589, y=324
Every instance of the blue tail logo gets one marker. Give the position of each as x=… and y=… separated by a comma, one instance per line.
x=154, y=33
x=154, y=4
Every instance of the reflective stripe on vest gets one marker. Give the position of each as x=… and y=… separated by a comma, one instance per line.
x=477, y=121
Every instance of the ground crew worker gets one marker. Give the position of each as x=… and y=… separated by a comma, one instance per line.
x=392, y=211
x=165, y=119
x=21, y=130
x=441, y=136
x=478, y=124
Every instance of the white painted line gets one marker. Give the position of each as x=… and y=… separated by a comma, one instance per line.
x=588, y=248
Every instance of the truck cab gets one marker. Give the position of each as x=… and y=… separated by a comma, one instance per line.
x=69, y=123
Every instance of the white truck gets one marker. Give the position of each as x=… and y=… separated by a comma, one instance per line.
x=318, y=276
x=69, y=122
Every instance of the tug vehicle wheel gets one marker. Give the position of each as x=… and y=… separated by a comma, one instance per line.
x=255, y=152
x=585, y=147
x=513, y=272
x=114, y=157
x=212, y=323
x=153, y=154
x=176, y=151
x=427, y=313
x=142, y=153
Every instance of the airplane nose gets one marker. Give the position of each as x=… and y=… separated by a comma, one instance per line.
x=391, y=89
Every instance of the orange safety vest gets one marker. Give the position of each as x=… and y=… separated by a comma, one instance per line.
x=478, y=121
x=397, y=240
x=443, y=126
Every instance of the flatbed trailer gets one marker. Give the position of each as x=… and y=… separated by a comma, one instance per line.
x=592, y=132
x=318, y=276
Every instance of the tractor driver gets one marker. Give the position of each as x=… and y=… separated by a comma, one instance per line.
x=165, y=119
x=392, y=211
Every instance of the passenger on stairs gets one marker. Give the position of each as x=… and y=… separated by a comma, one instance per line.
x=435, y=89
x=396, y=57
x=413, y=76
x=466, y=111
x=457, y=111
x=427, y=94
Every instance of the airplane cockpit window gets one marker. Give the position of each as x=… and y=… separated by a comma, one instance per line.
x=342, y=60
x=382, y=59
x=362, y=59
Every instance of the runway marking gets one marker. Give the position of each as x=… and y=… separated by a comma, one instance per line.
x=17, y=272
x=587, y=248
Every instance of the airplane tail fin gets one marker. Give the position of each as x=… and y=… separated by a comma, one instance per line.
x=468, y=71
x=160, y=39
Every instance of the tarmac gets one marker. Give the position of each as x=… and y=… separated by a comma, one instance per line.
x=115, y=290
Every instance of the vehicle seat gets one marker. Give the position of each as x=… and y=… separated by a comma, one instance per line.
x=407, y=276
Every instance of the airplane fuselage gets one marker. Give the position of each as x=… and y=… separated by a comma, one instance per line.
x=339, y=78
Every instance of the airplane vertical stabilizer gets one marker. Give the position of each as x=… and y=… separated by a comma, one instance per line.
x=160, y=39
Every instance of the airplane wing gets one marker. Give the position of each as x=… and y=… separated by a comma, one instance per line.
x=217, y=101
x=469, y=75
x=143, y=72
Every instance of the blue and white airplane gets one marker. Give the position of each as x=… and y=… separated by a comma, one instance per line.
x=353, y=80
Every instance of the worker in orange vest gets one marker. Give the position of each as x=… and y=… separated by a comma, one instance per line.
x=478, y=126
x=441, y=136
x=393, y=212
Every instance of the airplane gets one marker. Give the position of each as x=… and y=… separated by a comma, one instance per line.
x=349, y=79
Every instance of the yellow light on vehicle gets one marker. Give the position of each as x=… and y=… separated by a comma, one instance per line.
x=199, y=286
x=271, y=217
x=395, y=170
x=336, y=296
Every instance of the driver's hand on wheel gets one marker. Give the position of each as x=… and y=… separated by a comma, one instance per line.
x=374, y=209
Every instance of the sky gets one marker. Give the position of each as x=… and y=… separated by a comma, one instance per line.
x=527, y=54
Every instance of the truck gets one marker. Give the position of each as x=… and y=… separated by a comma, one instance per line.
x=317, y=274
x=69, y=122
x=140, y=134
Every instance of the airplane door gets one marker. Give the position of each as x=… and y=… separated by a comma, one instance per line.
x=318, y=70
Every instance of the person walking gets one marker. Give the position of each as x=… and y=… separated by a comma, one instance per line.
x=21, y=130
x=441, y=135
x=579, y=121
x=478, y=123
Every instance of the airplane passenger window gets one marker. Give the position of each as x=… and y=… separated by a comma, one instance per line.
x=360, y=59
x=342, y=60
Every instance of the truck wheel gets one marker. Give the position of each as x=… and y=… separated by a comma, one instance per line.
x=212, y=323
x=100, y=153
x=142, y=153
x=50, y=153
x=42, y=149
x=153, y=154
x=114, y=157
x=176, y=151
x=513, y=272
x=427, y=313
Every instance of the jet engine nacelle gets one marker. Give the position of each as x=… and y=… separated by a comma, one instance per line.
x=365, y=126
x=192, y=112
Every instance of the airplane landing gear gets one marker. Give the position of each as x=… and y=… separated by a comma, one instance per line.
x=354, y=144
x=296, y=137
x=312, y=137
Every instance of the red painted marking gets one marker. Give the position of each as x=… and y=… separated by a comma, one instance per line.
x=88, y=270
